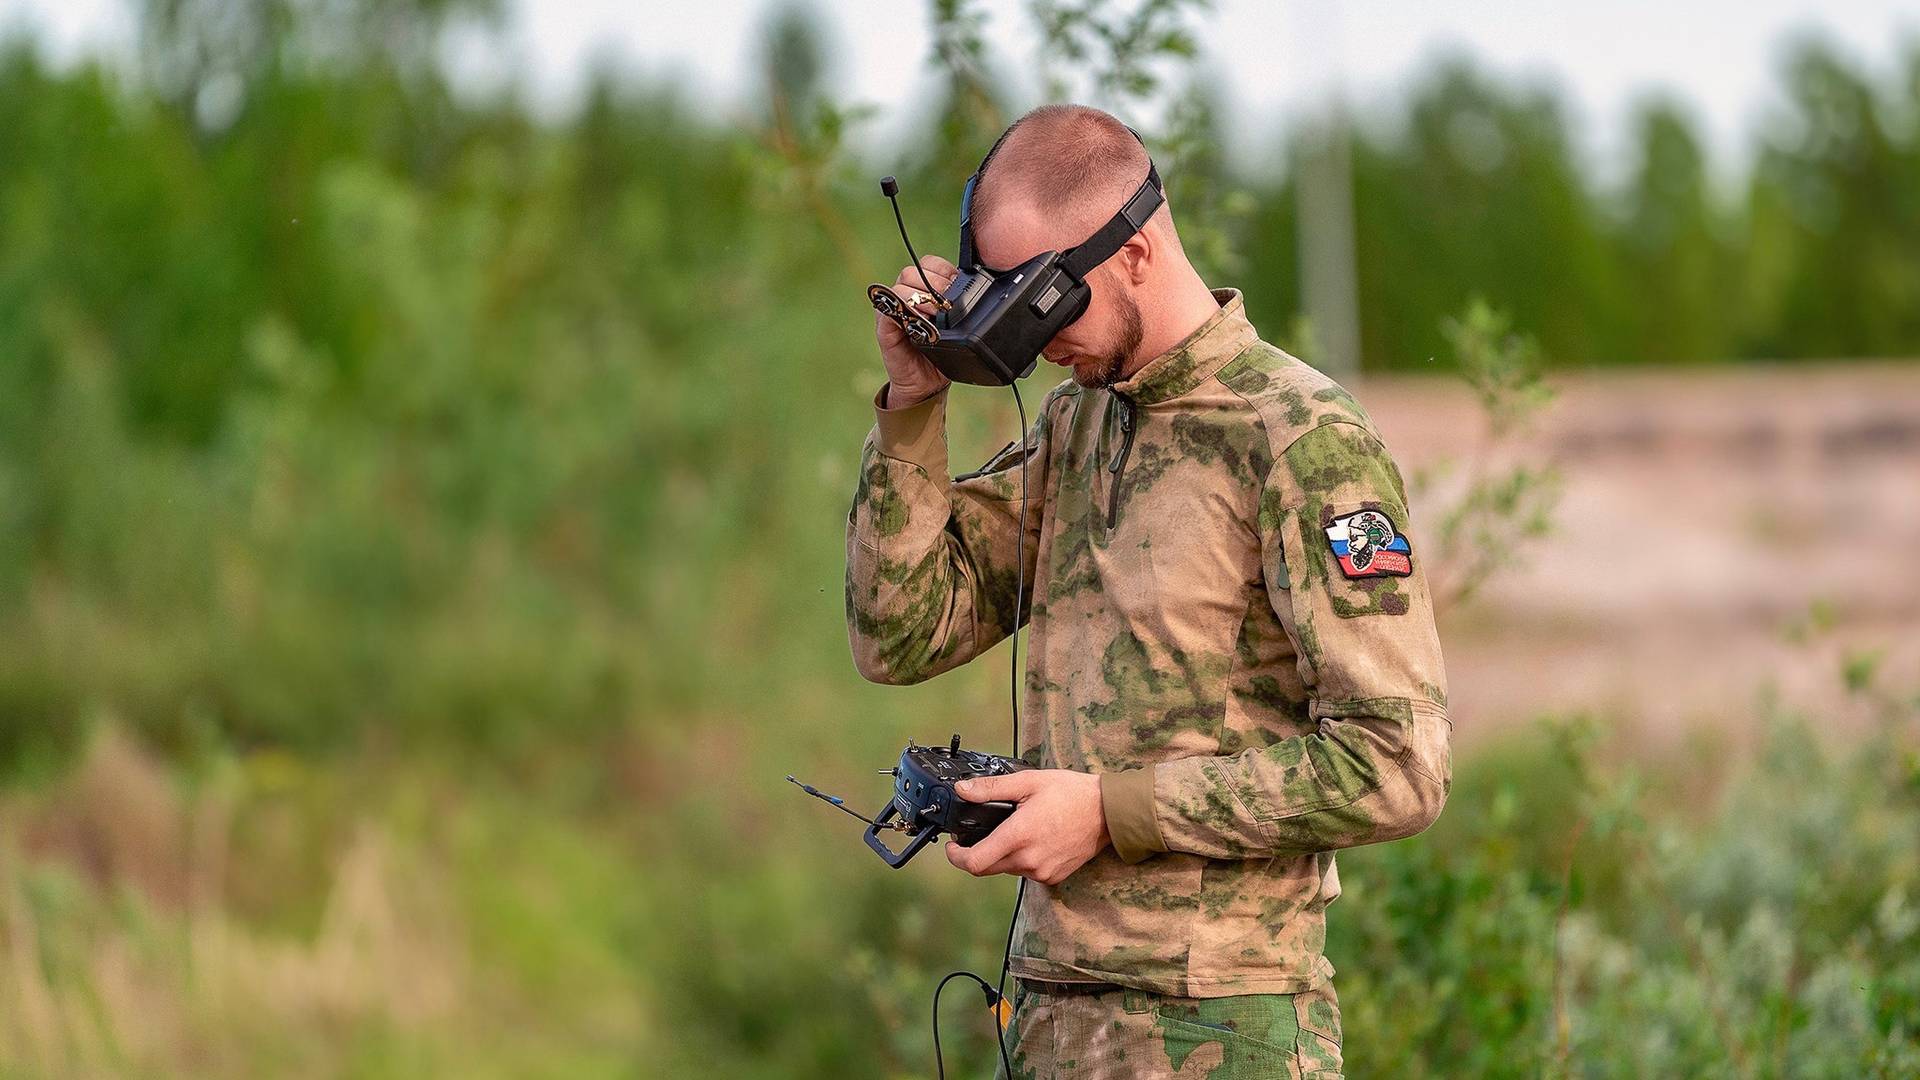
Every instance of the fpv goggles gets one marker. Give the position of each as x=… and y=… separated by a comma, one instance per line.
x=991, y=324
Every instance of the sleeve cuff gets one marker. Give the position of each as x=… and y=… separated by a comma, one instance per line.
x=1127, y=799
x=917, y=433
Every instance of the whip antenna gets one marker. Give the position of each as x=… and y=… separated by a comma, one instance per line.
x=835, y=800
x=891, y=189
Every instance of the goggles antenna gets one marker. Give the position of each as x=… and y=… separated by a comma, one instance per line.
x=891, y=189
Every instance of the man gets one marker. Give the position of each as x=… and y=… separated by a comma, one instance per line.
x=1233, y=668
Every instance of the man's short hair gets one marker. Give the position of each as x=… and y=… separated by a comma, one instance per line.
x=1074, y=164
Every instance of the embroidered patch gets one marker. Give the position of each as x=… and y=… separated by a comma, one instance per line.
x=1367, y=546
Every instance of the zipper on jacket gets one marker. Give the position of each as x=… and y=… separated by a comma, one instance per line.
x=1117, y=466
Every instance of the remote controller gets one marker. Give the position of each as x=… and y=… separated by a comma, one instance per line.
x=924, y=803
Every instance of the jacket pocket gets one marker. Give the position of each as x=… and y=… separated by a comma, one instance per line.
x=1286, y=784
x=1006, y=457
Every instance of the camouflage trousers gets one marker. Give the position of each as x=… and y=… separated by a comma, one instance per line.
x=1133, y=1034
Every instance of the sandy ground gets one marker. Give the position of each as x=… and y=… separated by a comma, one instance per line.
x=1703, y=516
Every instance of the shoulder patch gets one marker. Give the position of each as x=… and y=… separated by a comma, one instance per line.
x=1366, y=544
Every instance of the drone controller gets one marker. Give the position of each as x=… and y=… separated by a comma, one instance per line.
x=924, y=804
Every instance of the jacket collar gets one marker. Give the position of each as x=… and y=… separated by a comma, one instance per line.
x=1224, y=335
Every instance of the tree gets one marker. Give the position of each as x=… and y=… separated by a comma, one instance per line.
x=1480, y=195
x=1676, y=266
x=1836, y=217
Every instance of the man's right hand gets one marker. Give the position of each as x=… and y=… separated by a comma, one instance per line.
x=911, y=377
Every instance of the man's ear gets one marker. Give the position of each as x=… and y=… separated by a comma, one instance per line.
x=1136, y=256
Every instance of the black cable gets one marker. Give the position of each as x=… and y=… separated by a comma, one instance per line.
x=993, y=1002
x=1006, y=956
x=996, y=995
x=937, y=302
x=1020, y=577
x=1019, y=595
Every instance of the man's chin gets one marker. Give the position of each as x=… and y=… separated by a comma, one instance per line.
x=1095, y=375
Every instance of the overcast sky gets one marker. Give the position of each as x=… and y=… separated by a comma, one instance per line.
x=1718, y=56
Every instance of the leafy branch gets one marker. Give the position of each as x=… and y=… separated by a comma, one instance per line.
x=805, y=131
x=1117, y=50
x=1504, y=504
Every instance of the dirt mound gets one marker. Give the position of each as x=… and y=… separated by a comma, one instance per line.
x=1718, y=532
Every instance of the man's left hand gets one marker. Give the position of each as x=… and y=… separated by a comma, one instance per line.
x=1056, y=827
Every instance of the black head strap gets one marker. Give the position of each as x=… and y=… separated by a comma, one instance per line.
x=966, y=200
x=1080, y=259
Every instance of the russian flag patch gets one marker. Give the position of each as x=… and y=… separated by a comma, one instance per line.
x=1367, y=545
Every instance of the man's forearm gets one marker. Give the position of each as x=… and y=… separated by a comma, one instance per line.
x=900, y=619
x=930, y=562
x=1376, y=770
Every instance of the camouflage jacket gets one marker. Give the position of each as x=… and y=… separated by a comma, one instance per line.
x=1230, y=625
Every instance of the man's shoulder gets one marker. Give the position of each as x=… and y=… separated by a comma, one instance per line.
x=1045, y=414
x=1290, y=396
x=1065, y=388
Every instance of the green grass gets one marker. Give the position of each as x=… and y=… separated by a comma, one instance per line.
x=1724, y=914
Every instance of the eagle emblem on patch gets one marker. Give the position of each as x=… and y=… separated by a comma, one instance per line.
x=1367, y=545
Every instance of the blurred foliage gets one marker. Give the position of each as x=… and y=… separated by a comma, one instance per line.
x=420, y=541
x=1569, y=918
x=1713, y=914
x=1503, y=497
x=1117, y=47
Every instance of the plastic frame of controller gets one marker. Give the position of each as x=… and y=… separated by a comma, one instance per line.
x=926, y=805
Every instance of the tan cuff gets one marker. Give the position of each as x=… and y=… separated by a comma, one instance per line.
x=1127, y=799
x=917, y=433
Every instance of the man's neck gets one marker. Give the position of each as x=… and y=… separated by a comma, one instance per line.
x=1184, y=312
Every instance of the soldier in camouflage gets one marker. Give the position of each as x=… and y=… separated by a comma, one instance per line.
x=1234, y=670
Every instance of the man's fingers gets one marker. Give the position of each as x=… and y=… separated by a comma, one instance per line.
x=967, y=859
x=987, y=856
x=909, y=281
x=937, y=276
x=938, y=269
x=936, y=262
x=925, y=305
x=1010, y=788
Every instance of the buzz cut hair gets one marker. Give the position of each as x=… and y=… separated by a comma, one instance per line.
x=1073, y=164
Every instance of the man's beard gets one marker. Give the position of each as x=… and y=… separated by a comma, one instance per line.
x=1107, y=372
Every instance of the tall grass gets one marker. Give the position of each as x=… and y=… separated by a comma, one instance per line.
x=1574, y=913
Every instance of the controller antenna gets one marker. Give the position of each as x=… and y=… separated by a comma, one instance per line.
x=842, y=804
x=891, y=189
